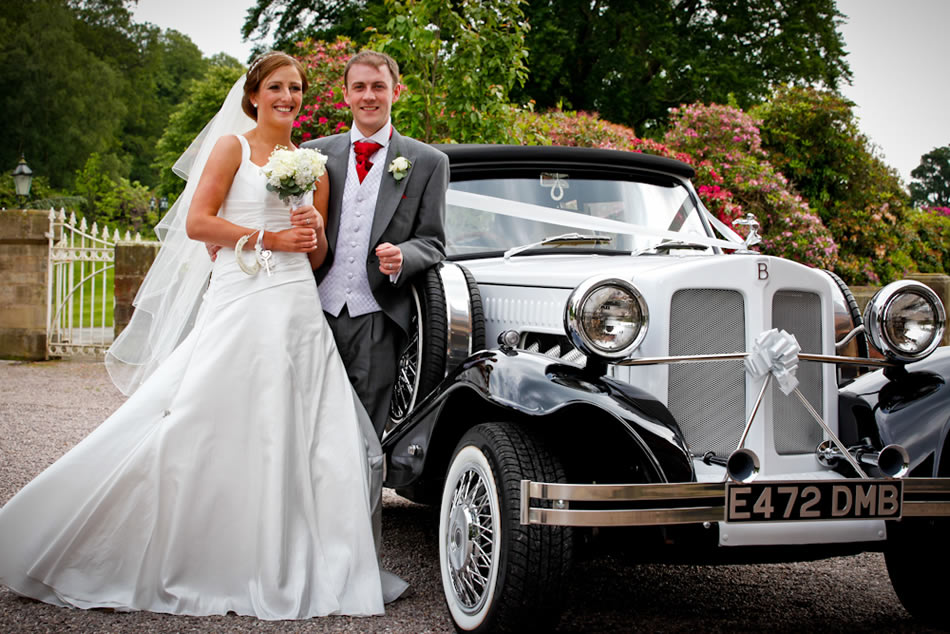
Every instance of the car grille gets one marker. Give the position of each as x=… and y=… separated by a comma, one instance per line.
x=708, y=399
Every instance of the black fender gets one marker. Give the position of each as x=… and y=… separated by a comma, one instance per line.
x=908, y=406
x=566, y=403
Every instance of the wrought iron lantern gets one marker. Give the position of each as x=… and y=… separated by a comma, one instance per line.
x=22, y=179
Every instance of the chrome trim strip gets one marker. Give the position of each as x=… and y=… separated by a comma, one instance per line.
x=711, y=494
x=925, y=509
x=828, y=358
x=919, y=486
x=458, y=313
x=646, y=517
x=621, y=492
x=730, y=356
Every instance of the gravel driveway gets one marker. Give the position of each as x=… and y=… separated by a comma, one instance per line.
x=45, y=408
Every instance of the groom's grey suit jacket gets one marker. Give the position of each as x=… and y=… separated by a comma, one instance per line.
x=409, y=214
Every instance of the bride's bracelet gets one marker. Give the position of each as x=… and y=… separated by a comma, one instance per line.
x=255, y=265
x=263, y=255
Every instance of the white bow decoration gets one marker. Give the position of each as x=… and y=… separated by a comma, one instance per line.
x=775, y=351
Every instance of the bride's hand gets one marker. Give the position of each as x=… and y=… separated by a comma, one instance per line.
x=295, y=240
x=306, y=216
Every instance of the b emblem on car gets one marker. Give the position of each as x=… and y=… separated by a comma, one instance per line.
x=763, y=268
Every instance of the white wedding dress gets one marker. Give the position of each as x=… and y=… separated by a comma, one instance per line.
x=233, y=480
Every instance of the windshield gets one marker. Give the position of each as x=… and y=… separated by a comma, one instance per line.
x=500, y=213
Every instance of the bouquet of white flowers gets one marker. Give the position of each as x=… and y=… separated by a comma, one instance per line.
x=292, y=173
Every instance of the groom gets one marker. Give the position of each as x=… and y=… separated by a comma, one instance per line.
x=387, y=200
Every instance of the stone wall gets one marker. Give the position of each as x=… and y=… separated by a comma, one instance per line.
x=132, y=261
x=24, y=260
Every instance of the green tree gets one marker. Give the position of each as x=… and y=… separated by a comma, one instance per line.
x=633, y=61
x=813, y=138
x=202, y=99
x=78, y=76
x=931, y=184
x=460, y=62
x=108, y=198
x=290, y=21
x=60, y=102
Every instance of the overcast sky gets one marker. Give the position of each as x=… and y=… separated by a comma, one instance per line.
x=897, y=53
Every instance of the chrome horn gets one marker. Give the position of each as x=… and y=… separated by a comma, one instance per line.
x=742, y=465
x=893, y=460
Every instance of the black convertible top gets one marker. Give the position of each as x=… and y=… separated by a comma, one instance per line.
x=495, y=156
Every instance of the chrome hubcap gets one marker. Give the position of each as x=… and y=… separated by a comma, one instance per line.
x=470, y=540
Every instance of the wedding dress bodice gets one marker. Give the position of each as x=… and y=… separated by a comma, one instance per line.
x=249, y=204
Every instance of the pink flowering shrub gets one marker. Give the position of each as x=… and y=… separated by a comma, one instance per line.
x=323, y=112
x=931, y=252
x=728, y=139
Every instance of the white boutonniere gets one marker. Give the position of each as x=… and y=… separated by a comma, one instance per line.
x=400, y=167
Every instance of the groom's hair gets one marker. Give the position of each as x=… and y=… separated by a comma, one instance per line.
x=260, y=68
x=374, y=59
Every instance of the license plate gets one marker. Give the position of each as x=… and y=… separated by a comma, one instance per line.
x=811, y=500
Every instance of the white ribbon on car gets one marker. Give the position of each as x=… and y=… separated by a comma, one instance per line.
x=776, y=352
x=537, y=213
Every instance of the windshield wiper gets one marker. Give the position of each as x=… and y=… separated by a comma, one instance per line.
x=669, y=245
x=563, y=240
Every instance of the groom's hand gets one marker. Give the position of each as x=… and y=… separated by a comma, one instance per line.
x=390, y=258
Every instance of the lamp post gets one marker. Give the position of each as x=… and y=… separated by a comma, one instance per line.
x=22, y=179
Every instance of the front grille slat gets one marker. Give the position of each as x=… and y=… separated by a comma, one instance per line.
x=708, y=399
x=798, y=313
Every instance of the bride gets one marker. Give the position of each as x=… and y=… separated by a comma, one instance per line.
x=236, y=478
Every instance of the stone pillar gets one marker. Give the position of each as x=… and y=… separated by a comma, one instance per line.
x=24, y=260
x=132, y=261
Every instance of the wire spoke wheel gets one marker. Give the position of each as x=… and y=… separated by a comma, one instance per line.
x=497, y=574
x=406, y=388
x=470, y=538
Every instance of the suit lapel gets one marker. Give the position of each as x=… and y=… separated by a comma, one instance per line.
x=338, y=154
x=390, y=190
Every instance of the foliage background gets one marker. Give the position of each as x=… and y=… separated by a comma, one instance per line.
x=746, y=91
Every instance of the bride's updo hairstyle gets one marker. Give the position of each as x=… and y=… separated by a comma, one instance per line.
x=260, y=68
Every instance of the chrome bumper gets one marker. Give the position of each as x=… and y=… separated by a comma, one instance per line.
x=683, y=503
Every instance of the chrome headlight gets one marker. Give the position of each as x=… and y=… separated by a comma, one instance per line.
x=606, y=317
x=905, y=321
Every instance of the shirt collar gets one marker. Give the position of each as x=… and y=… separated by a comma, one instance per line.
x=382, y=135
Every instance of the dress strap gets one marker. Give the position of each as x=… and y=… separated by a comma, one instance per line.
x=245, y=148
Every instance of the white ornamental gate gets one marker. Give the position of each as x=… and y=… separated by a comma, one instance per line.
x=80, y=289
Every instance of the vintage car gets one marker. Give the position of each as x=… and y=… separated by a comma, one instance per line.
x=601, y=359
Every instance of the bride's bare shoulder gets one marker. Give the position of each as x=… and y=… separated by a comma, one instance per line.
x=226, y=154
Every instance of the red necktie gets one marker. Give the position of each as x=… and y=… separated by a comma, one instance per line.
x=364, y=150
